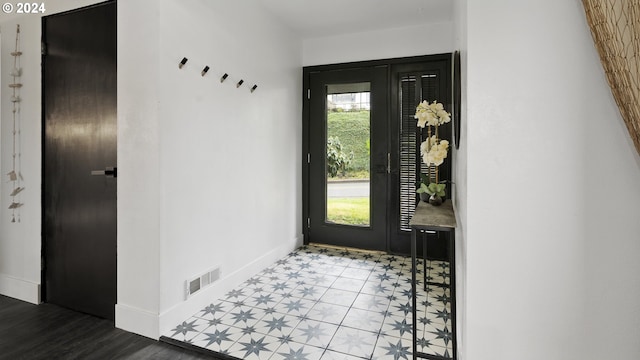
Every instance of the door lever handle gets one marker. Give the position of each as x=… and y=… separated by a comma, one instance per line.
x=109, y=171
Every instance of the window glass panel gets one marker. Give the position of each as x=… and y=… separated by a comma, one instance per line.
x=348, y=154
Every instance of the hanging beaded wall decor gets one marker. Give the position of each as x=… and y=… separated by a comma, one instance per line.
x=15, y=175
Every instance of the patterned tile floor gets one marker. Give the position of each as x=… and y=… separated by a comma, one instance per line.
x=326, y=303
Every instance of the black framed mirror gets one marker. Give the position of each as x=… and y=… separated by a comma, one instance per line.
x=455, y=78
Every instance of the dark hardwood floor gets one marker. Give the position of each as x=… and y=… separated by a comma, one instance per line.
x=47, y=331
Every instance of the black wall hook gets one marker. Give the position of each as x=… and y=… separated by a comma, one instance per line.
x=182, y=62
x=204, y=71
x=254, y=87
x=240, y=83
x=224, y=77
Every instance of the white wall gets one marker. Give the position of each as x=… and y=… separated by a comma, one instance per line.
x=425, y=39
x=552, y=196
x=209, y=173
x=460, y=178
x=20, y=243
x=139, y=180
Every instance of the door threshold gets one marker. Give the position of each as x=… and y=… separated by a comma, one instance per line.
x=347, y=248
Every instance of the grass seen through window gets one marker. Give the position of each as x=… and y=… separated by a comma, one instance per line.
x=351, y=211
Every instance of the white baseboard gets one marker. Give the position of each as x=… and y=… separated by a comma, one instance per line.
x=179, y=312
x=137, y=321
x=20, y=289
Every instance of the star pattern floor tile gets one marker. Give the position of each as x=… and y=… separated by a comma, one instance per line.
x=322, y=303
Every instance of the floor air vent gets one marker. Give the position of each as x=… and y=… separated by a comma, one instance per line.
x=200, y=282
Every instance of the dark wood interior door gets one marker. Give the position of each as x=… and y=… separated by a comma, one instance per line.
x=79, y=143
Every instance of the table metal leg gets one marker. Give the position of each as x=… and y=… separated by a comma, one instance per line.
x=452, y=291
x=414, y=334
x=424, y=238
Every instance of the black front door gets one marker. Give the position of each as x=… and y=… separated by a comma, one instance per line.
x=361, y=150
x=79, y=144
x=348, y=157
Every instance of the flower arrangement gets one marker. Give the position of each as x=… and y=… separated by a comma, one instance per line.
x=431, y=114
x=433, y=150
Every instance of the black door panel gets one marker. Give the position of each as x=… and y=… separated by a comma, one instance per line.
x=367, y=90
x=79, y=124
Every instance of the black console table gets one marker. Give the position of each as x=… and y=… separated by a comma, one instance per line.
x=433, y=218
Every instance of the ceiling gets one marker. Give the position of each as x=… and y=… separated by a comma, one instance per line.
x=318, y=18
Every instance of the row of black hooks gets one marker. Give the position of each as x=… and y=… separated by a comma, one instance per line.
x=224, y=77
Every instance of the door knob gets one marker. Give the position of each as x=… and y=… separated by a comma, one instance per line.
x=109, y=171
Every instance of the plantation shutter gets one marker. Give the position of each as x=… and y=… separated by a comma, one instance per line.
x=408, y=150
x=413, y=89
